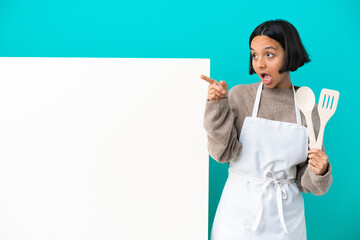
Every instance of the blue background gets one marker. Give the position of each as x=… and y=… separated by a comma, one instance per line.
x=218, y=30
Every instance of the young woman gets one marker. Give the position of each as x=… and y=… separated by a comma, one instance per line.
x=258, y=130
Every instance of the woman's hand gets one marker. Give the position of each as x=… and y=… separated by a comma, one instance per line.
x=318, y=161
x=217, y=91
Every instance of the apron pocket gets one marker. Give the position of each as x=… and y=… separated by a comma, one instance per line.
x=231, y=229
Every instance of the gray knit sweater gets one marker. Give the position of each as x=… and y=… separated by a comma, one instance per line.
x=223, y=120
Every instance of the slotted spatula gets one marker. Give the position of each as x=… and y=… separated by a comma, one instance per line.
x=327, y=106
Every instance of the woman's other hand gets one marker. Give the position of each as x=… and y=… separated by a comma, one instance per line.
x=217, y=91
x=318, y=161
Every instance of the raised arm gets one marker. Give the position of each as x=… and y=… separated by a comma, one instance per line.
x=223, y=143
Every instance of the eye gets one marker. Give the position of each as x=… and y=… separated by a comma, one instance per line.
x=253, y=56
x=270, y=55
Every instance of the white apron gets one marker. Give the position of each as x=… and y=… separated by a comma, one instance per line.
x=260, y=199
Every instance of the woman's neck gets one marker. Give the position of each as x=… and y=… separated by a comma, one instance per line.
x=285, y=82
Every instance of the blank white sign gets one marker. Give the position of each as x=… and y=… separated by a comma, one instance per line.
x=103, y=148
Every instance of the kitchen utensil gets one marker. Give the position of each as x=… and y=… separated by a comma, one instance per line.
x=305, y=100
x=326, y=107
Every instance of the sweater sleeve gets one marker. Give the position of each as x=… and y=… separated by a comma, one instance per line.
x=219, y=123
x=307, y=180
x=317, y=184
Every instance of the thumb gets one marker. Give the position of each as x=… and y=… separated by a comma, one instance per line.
x=223, y=83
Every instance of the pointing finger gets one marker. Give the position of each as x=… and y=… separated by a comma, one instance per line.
x=208, y=79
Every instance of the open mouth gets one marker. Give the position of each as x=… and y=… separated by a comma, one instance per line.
x=263, y=75
x=266, y=78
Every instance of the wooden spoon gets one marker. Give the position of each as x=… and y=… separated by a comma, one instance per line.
x=305, y=100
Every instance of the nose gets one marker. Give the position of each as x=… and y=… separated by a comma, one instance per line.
x=260, y=63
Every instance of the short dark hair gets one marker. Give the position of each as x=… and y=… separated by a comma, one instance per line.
x=286, y=34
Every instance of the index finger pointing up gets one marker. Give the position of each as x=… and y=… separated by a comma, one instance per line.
x=208, y=79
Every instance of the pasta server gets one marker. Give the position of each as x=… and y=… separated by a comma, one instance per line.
x=326, y=107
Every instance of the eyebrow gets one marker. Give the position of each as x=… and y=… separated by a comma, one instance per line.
x=264, y=48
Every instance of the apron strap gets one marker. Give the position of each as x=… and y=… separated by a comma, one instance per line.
x=297, y=111
x=267, y=181
x=257, y=100
x=280, y=195
x=257, y=103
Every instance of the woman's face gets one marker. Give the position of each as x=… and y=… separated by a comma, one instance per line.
x=268, y=57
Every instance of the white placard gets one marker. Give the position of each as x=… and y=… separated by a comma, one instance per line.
x=103, y=148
